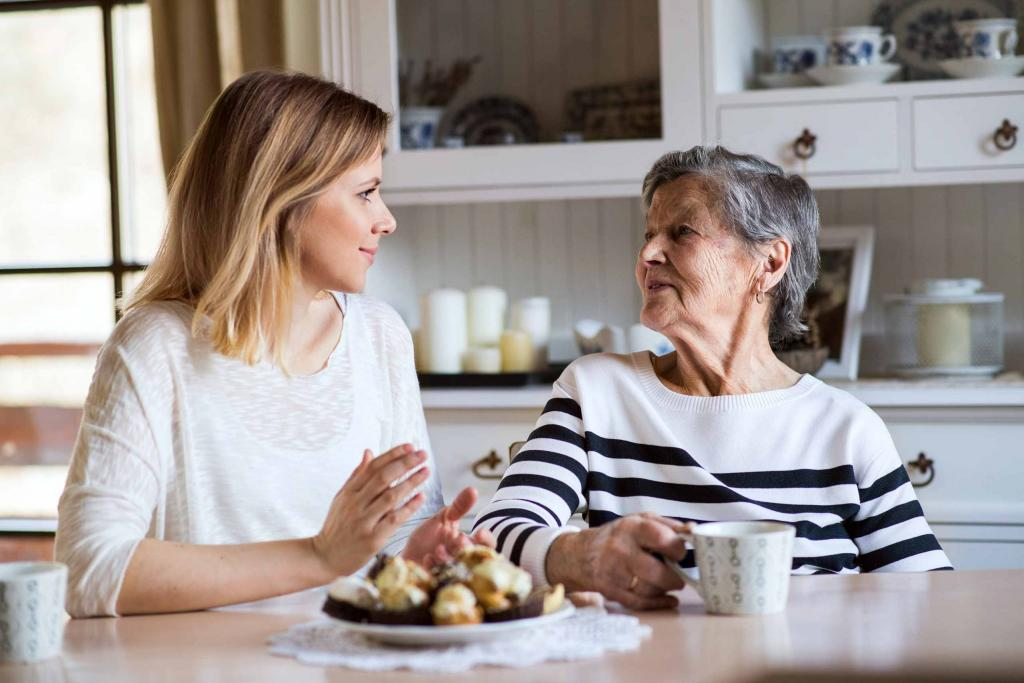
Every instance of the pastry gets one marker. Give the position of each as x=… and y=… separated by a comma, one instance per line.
x=455, y=605
x=481, y=585
x=351, y=598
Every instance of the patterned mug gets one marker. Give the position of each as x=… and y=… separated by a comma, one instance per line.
x=744, y=566
x=987, y=38
x=859, y=46
x=31, y=610
x=797, y=54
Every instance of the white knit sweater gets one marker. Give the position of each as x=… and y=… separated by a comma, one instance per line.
x=181, y=443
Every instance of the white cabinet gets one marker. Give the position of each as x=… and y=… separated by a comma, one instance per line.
x=929, y=132
x=968, y=132
x=540, y=54
x=848, y=137
x=974, y=499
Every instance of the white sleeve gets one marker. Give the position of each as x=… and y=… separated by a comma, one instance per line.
x=112, y=488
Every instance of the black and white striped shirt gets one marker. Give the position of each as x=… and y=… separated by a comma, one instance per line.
x=613, y=440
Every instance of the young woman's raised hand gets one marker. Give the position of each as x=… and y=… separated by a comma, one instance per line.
x=363, y=514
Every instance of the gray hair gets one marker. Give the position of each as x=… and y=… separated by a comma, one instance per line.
x=759, y=202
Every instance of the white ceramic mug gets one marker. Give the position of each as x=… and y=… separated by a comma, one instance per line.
x=744, y=566
x=859, y=46
x=987, y=38
x=31, y=610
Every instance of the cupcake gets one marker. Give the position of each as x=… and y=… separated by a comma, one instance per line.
x=475, y=554
x=456, y=605
x=405, y=589
x=449, y=573
x=351, y=598
x=502, y=589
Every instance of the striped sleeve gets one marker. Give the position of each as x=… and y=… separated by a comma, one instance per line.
x=889, y=527
x=542, y=488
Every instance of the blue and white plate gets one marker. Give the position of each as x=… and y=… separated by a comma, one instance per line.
x=924, y=29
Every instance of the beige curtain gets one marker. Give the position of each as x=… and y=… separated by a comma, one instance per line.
x=200, y=46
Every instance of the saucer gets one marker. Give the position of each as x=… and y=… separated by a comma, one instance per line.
x=800, y=80
x=977, y=67
x=853, y=75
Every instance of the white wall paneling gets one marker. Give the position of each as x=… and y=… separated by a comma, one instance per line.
x=581, y=252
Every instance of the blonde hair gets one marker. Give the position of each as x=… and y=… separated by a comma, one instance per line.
x=267, y=148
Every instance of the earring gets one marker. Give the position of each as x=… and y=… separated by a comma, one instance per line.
x=759, y=297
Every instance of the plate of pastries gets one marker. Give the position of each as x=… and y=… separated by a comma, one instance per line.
x=479, y=596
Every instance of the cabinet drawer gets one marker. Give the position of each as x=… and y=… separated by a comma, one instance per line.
x=959, y=132
x=978, y=470
x=852, y=137
x=460, y=438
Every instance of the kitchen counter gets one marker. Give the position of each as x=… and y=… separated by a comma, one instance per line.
x=1006, y=391
x=949, y=626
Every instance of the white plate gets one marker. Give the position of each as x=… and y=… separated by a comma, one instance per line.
x=853, y=75
x=977, y=67
x=452, y=635
x=784, y=80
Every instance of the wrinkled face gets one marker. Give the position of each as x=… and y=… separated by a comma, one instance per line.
x=694, y=273
x=343, y=230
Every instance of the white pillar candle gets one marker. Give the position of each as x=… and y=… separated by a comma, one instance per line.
x=482, y=359
x=533, y=316
x=486, y=315
x=516, y=351
x=443, y=330
x=944, y=335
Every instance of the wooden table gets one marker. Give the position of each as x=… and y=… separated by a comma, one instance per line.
x=942, y=626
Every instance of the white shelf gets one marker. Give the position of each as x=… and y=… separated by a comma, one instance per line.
x=880, y=393
x=847, y=93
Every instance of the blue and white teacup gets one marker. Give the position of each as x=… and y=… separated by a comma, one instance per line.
x=987, y=38
x=797, y=54
x=859, y=46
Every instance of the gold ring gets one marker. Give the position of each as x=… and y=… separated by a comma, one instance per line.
x=634, y=581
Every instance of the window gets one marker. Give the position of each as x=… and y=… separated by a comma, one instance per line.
x=82, y=200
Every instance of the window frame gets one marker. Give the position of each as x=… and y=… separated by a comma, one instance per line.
x=118, y=267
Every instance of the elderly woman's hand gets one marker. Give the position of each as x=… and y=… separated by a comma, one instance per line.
x=618, y=561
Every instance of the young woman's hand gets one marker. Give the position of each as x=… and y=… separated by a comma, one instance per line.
x=363, y=514
x=439, y=539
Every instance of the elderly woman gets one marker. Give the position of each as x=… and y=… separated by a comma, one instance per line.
x=718, y=430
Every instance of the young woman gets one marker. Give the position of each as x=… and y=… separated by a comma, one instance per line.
x=247, y=381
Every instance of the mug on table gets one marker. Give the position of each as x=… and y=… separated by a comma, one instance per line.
x=743, y=567
x=31, y=610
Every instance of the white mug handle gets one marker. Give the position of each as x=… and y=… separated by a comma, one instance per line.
x=685, y=537
x=1010, y=43
x=888, y=47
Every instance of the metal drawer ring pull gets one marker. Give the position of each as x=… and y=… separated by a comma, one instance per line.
x=490, y=462
x=806, y=145
x=927, y=467
x=1005, y=137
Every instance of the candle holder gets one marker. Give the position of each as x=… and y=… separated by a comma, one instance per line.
x=944, y=328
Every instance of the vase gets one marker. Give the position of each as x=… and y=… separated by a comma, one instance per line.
x=418, y=126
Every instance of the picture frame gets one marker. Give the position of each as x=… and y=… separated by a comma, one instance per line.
x=839, y=296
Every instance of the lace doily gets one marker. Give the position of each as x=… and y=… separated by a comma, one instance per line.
x=589, y=632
